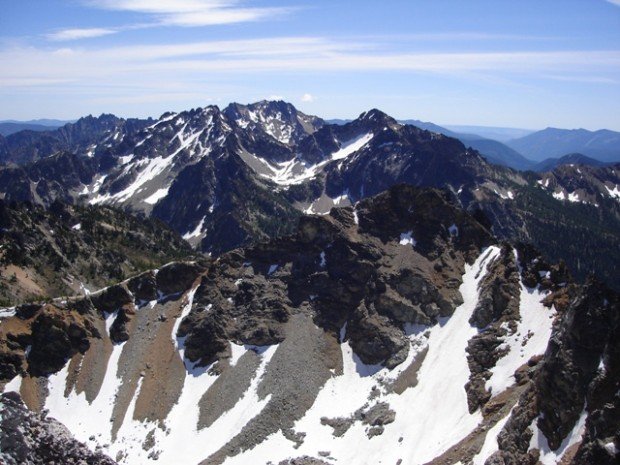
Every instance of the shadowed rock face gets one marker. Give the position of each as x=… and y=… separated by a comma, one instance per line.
x=571, y=377
x=30, y=438
x=579, y=371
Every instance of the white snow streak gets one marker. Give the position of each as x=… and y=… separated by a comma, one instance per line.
x=196, y=232
x=490, y=441
x=614, y=193
x=157, y=195
x=531, y=338
x=352, y=146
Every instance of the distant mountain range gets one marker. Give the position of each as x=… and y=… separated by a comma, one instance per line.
x=494, y=151
x=602, y=145
x=521, y=149
x=229, y=177
x=500, y=134
x=8, y=127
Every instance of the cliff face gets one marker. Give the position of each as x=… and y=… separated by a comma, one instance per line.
x=570, y=408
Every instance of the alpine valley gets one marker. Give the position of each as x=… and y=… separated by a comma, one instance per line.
x=276, y=289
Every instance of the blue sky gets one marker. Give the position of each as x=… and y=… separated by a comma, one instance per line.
x=529, y=64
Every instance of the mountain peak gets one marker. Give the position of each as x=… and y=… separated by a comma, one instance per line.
x=278, y=119
x=377, y=117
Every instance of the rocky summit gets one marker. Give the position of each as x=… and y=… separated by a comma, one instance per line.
x=397, y=330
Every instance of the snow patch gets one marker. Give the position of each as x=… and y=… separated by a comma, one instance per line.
x=490, y=441
x=614, y=193
x=85, y=419
x=406, y=238
x=7, y=312
x=236, y=352
x=530, y=339
x=352, y=146
x=14, y=385
x=157, y=196
x=196, y=232
x=153, y=167
x=559, y=195
x=552, y=457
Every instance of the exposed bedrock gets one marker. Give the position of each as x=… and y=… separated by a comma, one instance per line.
x=496, y=312
x=29, y=438
x=578, y=375
x=351, y=267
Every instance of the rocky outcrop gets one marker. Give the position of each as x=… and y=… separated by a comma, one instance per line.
x=575, y=368
x=375, y=339
x=497, y=312
x=177, y=277
x=52, y=333
x=360, y=275
x=28, y=438
x=305, y=460
x=374, y=417
x=499, y=291
x=577, y=376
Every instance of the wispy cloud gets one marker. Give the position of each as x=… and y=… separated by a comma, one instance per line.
x=192, y=13
x=583, y=79
x=194, y=65
x=614, y=2
x=307, y=98
x=80, y=33
x=465, y=36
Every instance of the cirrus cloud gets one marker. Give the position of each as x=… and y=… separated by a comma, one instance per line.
x=80, y=33
x=192, y=13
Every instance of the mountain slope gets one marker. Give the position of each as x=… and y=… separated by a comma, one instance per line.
x=68, y=250
x=392, y=331
x=499, y=153
x=494, y=151
x=602, y=145
x=572, y=158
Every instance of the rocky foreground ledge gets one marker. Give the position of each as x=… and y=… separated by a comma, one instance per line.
x=29, y=438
